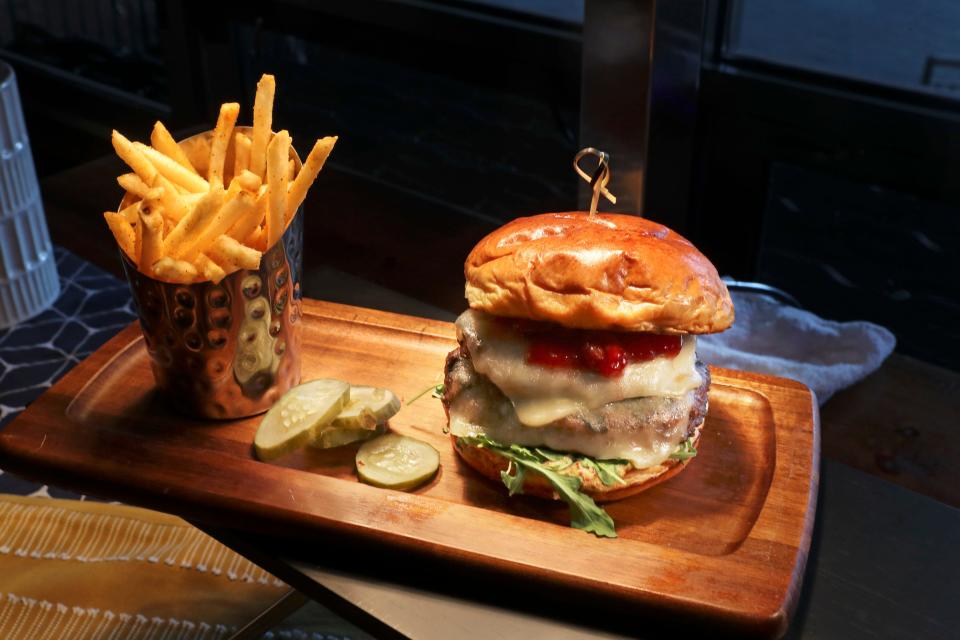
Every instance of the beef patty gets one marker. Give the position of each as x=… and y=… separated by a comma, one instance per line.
x=660, y=412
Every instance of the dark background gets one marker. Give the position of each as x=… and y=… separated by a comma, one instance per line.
x=826, y=143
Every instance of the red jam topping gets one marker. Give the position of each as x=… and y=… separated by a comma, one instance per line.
x=604, y=352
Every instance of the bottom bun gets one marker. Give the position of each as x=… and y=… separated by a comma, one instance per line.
x=490, y=464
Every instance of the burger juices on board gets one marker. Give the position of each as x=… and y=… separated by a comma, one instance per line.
x=577, y=377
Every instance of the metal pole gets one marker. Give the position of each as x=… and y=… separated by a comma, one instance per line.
x=641, y=69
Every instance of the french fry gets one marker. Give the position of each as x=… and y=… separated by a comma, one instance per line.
x=123, y=232
x=151, y=225
x=257, y=239
x=130, y=153
x=231, y=255
x=262, y=123
x=175, y=206
x=248, y=180
x=132, y=183
x=183, y=225
x=172, y=171
x=277, y=154
x=308, y=173
x=153, y=195
x=241, y=153
x=234, y=210
x=221, y=138
x=171, y=270
x=246, y=225
x=163, y=142
x=198, y=218
x=210, y=269
x=131, y=213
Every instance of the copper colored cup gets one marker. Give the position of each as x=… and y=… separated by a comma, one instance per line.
x=230, y=349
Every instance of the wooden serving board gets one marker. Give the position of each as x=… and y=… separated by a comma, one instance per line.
x=727, y=539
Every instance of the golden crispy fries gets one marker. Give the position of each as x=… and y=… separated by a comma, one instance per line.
x=171, y=270
x=123, y=232
x=210, y=269
x=277, y=154
x=221, y=138
x=231, y=255
x=198, y=218
x=129, y=153
x=248, y=180
x=246, y=225
x=163, y=142
x=257, y=239
x=180, y=227
x=132, y=183
x=241, y=153
x=151, y=225
x=172, y=171
x=308, y=173
x=175, y=206
x=234, y=210
x=131, y=213
x=262, y=124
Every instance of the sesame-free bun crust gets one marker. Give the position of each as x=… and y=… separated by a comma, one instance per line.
x=608, y=271
x=488, y=463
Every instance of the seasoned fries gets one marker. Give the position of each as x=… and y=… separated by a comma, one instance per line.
x=231, y=255
x=241, y=154
x=221, y=137
x=162, y=141
x=212, y=206
x=133, y=157
x=318, y=156
x=277, y=154
x=172, y=171
x=172, y=270
x=151, y=224
x=262, y=124
x=131, y=182
x=123, y=231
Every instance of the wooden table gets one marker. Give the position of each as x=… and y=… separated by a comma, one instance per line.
x=886, y=547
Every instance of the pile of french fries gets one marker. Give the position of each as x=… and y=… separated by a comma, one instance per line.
x=185, y=222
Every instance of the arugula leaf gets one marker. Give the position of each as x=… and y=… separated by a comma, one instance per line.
x=436, y=391
x=514, y=483
x=584, y=512
x=550, y=454
x=607, y=470
x=685, y=451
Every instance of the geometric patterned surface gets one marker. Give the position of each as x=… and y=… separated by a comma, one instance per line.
x=92, y=307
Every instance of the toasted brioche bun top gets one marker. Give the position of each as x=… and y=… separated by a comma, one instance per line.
x=608, y=271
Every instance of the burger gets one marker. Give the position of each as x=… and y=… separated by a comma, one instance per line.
x=576, y=376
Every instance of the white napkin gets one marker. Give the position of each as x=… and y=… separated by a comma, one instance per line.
x=770, y=337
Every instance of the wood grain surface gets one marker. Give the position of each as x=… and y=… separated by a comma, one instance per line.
x=727, y=539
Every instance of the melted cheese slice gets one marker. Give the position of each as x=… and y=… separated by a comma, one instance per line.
x=542, y=395
x=475, y=412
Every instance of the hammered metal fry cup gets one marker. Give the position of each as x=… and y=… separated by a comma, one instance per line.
x=231, y=349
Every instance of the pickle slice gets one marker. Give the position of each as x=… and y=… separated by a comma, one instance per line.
x=337, y=437
x=368, y=407
x=298, y=416
x=398, y=462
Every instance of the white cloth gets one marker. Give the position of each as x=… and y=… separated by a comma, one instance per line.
x=770, y=337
